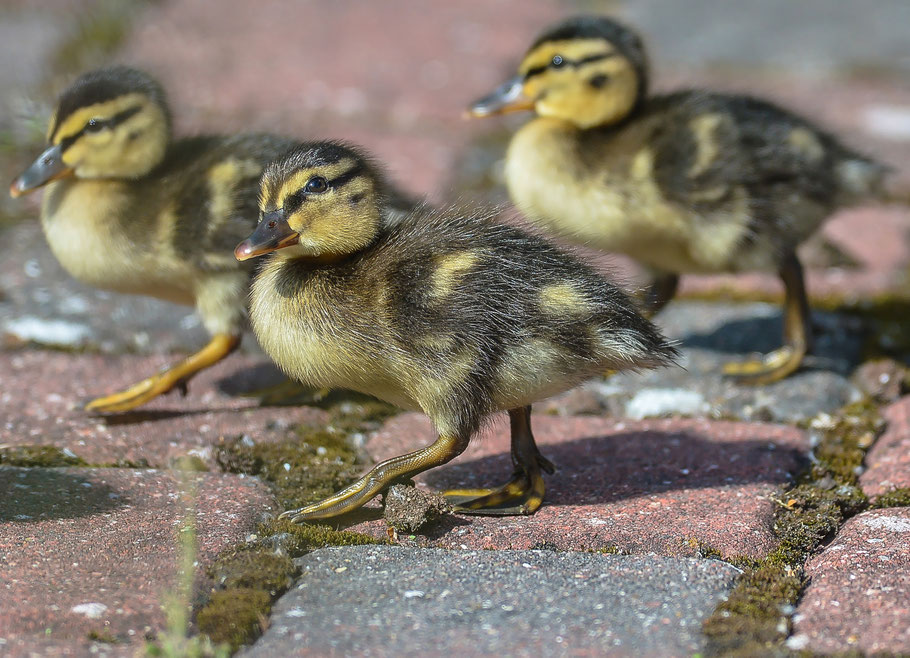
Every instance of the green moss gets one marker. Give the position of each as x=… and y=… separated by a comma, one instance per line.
x=842, y=442
x=754, y=617
x=250, y=578
x=317, y=463
x=258, y=569
x=754, y=620
x=235, y=617
x=104, y=636
x=300, y=470
x=38, y=457
x=897, y=497
x=299, y=539
x=703, y=549
x=142, y=462
x=810, y=515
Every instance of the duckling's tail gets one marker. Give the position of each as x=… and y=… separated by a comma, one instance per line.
x=862, y=180
x=638, y=347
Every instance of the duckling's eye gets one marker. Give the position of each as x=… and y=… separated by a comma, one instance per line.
x=316, y=185
x=95, y=125
x=557, y=61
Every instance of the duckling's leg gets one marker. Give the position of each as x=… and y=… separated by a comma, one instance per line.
x=173, y=377
x=797, y=333
x=523, y=494
x=381, y=477
x=661, y=290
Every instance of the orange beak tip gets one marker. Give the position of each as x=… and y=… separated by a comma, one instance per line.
x=15, y=190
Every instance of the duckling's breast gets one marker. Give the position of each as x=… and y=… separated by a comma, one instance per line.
x=100, y=236
x=327, y=332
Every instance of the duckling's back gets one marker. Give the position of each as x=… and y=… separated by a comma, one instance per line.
x=451, y=311
x=703, y=140
x=212, y=186
x=692, y=182
x=524, y=318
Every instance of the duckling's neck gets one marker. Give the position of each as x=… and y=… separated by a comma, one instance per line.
x=585, y=183
x=309, y=261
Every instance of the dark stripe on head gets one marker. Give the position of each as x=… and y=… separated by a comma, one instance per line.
x=100, y=124
x=625, y=40
x=591, y=27
x=537, y=70
x=313, y=155
x=105, y=85
x=293, y=201
x=345, y=178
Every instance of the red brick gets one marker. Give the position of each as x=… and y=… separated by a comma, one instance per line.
x=888, y=462
x=40, y=392
x=71, y=537
x=640, y=486
x=857, y=598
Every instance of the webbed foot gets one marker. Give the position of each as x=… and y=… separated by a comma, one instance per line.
x=380, y=478
x=173, y=377
x=776, y=365
x=773, y=367
x=521, y=495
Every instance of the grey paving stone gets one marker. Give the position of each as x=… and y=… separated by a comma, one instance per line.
x=377, y=600
x=815, y=37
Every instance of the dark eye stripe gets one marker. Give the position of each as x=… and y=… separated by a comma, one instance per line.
x=115, y=120
x=347, y=176
x=537, y=70
x=293, y=201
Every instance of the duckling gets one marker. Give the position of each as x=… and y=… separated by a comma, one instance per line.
x=450, y=313
x=129, y=209
x=688, y=182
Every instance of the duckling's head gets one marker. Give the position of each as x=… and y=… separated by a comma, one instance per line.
x=318, y=201
x=110, y=123
x=589, y=70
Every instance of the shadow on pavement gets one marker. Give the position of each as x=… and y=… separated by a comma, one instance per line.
x=597, y=470
x=38, y=494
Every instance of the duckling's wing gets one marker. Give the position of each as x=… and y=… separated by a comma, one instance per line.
x=217, y=203
x=719, y=154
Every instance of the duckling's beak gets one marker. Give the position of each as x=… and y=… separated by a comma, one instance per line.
x=49, y=166
x=507, y=97
x=272, y=233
